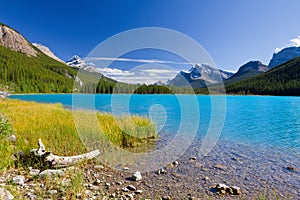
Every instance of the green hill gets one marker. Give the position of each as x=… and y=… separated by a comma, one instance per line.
x=283, y=80
x=38, y=74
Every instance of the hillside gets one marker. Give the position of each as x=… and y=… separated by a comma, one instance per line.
x=281, y=80
x=36, y=74
x=24, y=68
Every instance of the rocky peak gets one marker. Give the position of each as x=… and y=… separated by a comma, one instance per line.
x=9, y=38
x=77, y=62
x=47, y=51
x=254, y=66
x=284, y=55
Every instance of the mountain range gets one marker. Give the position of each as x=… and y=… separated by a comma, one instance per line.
x=27, y=68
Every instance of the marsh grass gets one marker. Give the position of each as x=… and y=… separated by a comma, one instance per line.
x=58, y=128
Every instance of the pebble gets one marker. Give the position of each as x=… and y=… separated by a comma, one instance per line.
x=52, y=192
x=162, y=171
x=236, y=190
x=125, y=189
x=97, y=182
x=5, y=194
x=113, y=195
x=130, y=196
x=51, y=173
x=137, y=176
x=95, y=188
x=78, y=195
x=166, y=198
x=192, y=158
x=87, y=192
x=119, y=183
x=12, y=138
x=66, y=182
x=31, y=196
x=126, y=168
x=139, y=191
x=19, y=180
x=98, y=167
x=219, y=166
x=2, y=180
x=131, y=187
x=34, y=172
x=107, y=184
x=175, y=162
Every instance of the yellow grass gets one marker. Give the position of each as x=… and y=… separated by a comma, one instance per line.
x=56, y=127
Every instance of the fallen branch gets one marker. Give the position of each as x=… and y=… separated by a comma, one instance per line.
x=61, y=161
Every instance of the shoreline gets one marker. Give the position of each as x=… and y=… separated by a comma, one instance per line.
x=189, y=179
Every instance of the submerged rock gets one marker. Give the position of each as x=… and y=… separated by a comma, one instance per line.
x=175, y=163
x=223, y=189
x=162, y=171
x=236, y=190
x=291, y=168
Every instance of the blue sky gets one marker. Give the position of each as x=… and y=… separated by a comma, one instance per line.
x=232, y=31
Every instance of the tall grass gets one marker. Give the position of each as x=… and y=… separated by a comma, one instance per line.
x=56, y=127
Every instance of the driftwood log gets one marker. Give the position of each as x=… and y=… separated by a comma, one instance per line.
x=60, y=161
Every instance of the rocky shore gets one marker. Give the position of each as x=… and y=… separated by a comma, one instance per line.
x=229, y=172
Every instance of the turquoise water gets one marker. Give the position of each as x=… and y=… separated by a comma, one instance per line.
x=252, y=120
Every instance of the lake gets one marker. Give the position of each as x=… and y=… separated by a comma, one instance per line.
x=266, y=120
x=253, y=138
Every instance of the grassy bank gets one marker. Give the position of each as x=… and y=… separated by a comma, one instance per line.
x=56, y=127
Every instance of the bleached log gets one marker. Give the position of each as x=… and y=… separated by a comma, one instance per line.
x=62, y=161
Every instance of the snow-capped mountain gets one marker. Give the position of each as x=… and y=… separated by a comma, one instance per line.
x=47, y=51
x=284, y=55
x=199, y=76
x=77, y=62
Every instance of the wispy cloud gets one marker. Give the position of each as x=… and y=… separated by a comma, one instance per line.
x=91, y=59
x=115, y=72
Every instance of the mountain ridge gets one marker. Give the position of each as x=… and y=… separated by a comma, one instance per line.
x=248, y=70
x=199, y=76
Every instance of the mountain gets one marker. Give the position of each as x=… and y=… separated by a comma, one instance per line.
x=199, y=76
x=24, y=68
x=284, y=55
x=77, y=62
x=13, y=40
x=248, y=70
x=281, y=80
x=47, y=51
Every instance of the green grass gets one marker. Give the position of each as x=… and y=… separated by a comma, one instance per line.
x=57, y=129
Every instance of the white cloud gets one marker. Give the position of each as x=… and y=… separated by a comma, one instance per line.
x=140, y=75
x=295, y=42
x=114, y=72
x=160, y=71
